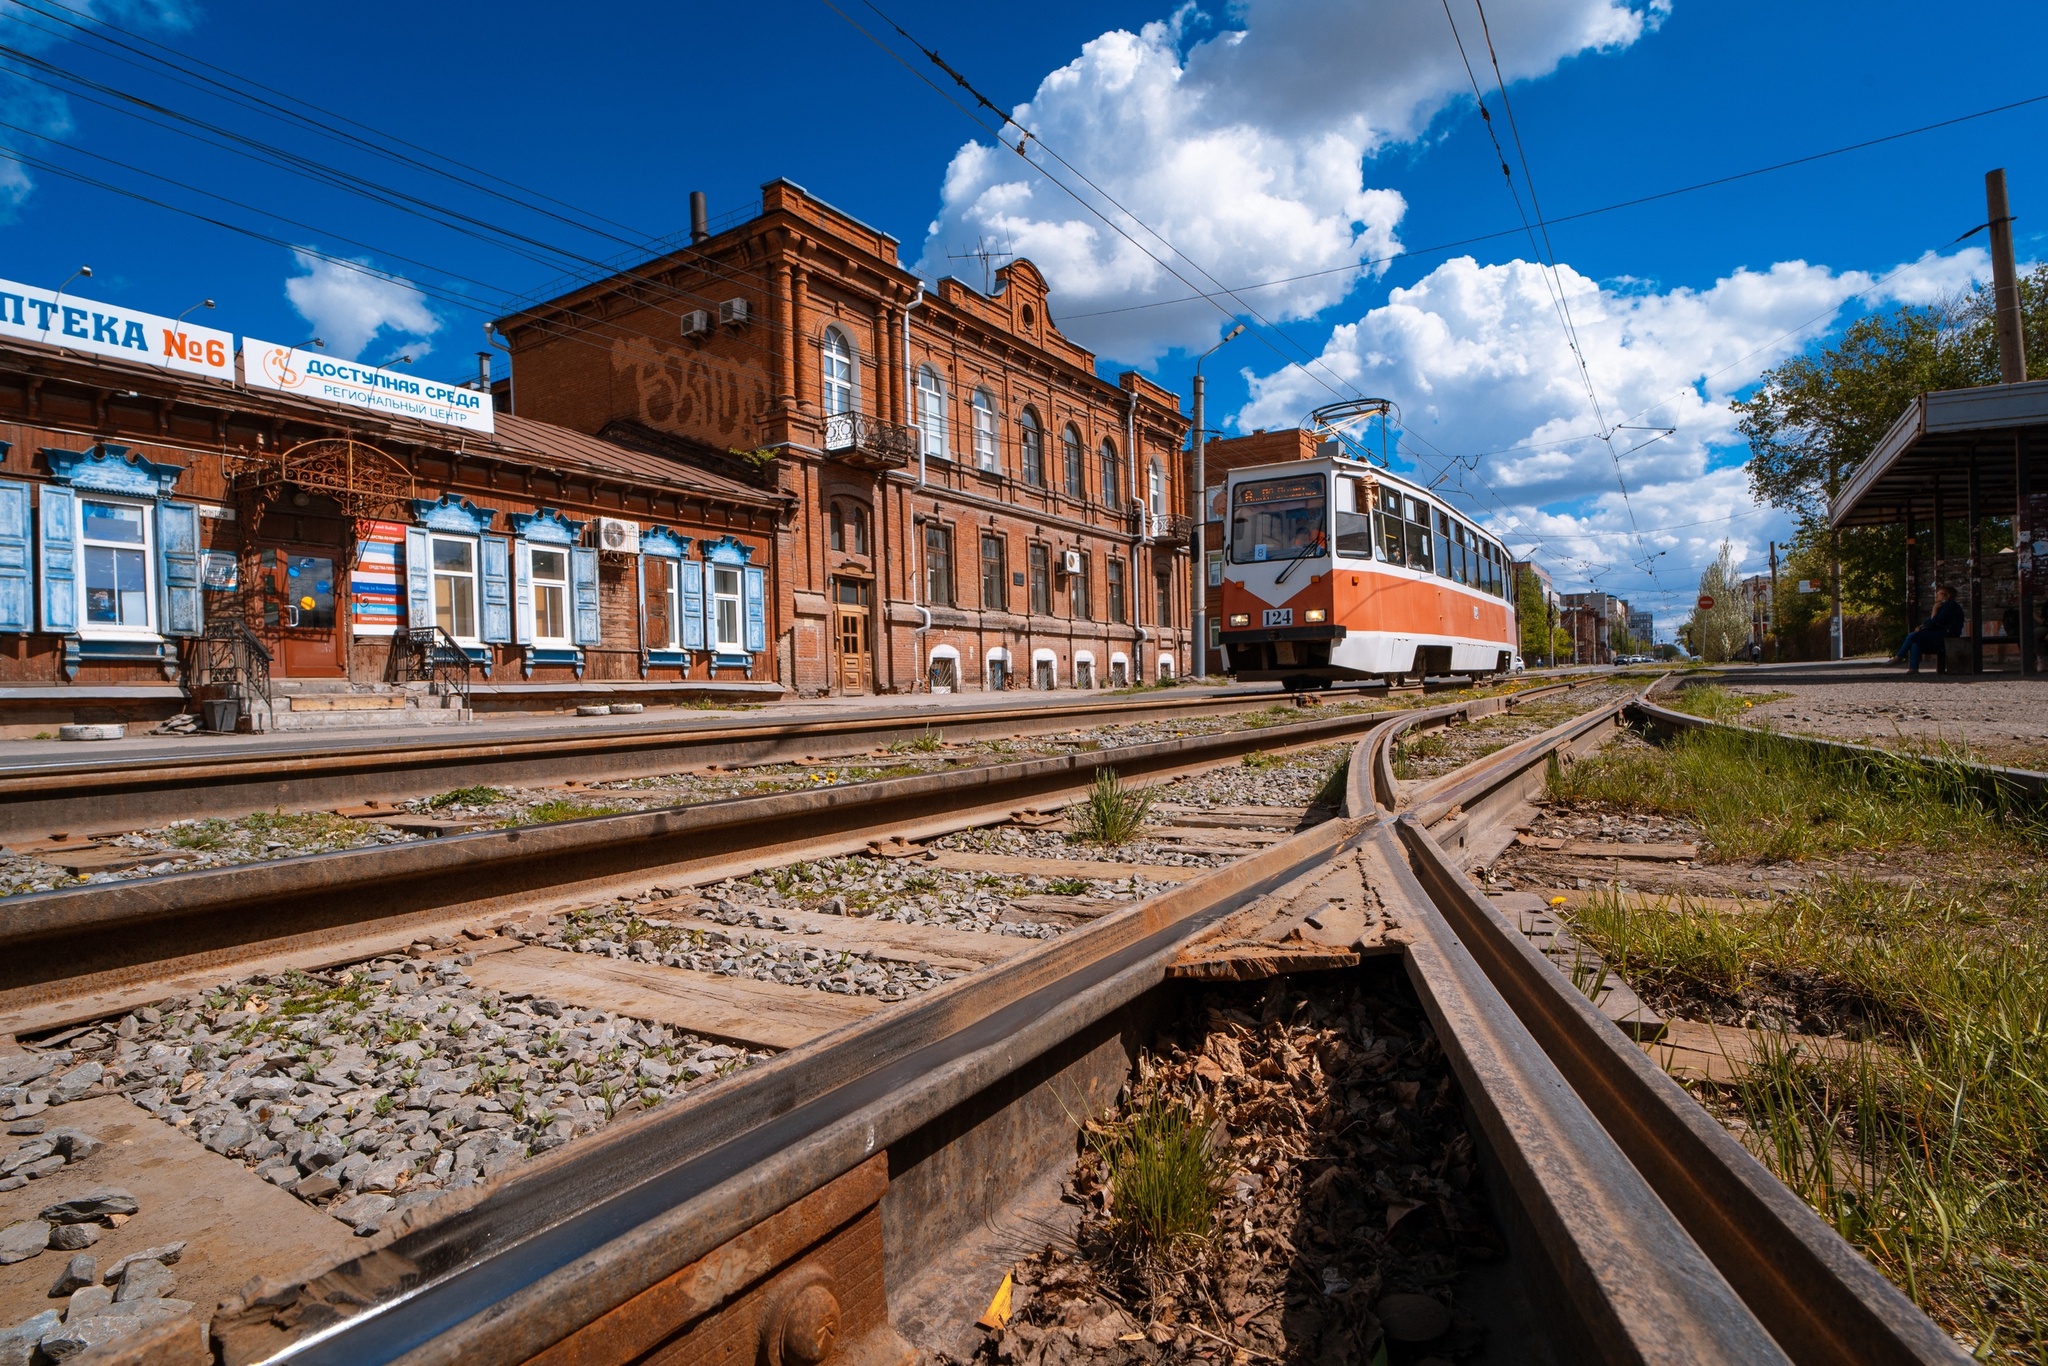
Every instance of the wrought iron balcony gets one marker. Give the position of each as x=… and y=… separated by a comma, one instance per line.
x=1167, y=528
x=868, y=444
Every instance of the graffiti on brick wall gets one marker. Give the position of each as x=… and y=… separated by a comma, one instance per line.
x=685, y=391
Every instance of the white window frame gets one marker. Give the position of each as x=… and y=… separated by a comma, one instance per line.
x=539, y=586
x=118, y=630
x=475, y=577
x=984, y=431
x=1155, y=488
x=839, y=372
x=719, y=575
x=931, y=411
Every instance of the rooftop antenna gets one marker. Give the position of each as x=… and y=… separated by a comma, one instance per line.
x=985, y=254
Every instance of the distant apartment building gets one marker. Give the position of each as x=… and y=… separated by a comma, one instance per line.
x=1642, y=624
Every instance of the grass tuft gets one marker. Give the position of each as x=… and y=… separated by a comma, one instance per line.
x=1760, y=796
x=566, y=809
x=1716, y=703
x=1164, y=1180
x=1113, y=813
x=465, y=796
x=929, y=742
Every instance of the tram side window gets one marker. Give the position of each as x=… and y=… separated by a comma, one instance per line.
x=1390, y=542
x=1444, y=527
x=1417, y=517
x=1354, y=519
x=1464, y=573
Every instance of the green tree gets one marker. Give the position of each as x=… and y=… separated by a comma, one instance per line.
x=1533, y=617
x=1815, y=418
x=1719, y=632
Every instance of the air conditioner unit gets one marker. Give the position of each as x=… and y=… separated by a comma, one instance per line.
x=732, y=312
x=696, y=323
x=615, y=533
x=1071, y=562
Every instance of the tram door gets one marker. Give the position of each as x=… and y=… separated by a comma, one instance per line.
x=856, y=647
x=301, y=609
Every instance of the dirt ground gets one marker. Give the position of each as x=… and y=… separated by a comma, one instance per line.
x=2002, y=719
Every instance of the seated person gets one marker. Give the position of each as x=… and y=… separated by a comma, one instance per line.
x=1945, y=622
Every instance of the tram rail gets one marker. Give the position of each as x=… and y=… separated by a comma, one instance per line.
x=788, y=1208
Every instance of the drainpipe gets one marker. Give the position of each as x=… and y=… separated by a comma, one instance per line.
x=1131, y=484
x=917, y=522
x=910, y=385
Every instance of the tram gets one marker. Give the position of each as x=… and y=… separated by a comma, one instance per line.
x=1337, y=569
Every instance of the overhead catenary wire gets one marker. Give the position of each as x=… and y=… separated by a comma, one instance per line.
x=1027, y=138
x=520, y=244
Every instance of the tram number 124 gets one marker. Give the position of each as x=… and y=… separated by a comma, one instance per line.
x=1279, y=616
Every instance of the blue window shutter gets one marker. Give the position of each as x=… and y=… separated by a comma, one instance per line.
x=583, y=588
x=419, y=578
x=757, y=610
x=58, y=565
x=497, y=576
x=693, y=605
x=522, y=592
x=16, y=611
x=177, y=548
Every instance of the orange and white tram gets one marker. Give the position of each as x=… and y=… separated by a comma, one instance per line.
x=1334, y=568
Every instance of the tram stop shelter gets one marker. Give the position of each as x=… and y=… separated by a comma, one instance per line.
x=1969, y=455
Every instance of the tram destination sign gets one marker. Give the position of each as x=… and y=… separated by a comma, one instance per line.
x=390, y=393
x=59, y=319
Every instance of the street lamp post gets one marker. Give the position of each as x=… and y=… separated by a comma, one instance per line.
x=1201, y=482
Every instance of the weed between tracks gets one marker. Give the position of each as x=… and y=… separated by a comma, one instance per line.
x=1113, y=814
x=1924, y=1141
x=1289, y=1179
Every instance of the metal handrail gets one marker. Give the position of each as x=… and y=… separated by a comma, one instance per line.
x=235, y=659
x=433, y=657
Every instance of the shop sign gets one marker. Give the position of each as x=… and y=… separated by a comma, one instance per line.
x=391, y=393
x=44, y=315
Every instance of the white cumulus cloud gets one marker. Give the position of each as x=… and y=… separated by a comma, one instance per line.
x=350, y=302
x=1492, y=397
x=1245, y=149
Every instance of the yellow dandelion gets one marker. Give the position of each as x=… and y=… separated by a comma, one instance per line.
x=1557, y=901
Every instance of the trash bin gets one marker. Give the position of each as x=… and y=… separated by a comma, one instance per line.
x=221, y=713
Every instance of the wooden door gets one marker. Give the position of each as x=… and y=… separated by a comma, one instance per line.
x=303, y=586
x=856, y=655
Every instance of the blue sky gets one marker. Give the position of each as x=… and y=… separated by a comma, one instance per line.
x=1258, y=141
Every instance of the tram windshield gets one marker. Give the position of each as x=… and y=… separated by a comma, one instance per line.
x=1279, y=519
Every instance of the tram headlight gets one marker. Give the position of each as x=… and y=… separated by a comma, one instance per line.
x=1240, y=618
x=1315, y=614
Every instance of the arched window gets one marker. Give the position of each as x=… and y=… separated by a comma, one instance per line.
x=1074, y=462
x=836, y=362
x=1031, y=437
x=838, y=526
x=1155, y=488
x=1112, y=475
x=984, y=431
x=931, y=411
x=857, y=528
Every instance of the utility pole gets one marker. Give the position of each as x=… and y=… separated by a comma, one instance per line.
x=1777, y=640
x=2012, y=369
x=1201, y=529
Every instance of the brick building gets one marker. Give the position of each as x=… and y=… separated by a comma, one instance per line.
x=971, y=506
x=147, y=514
